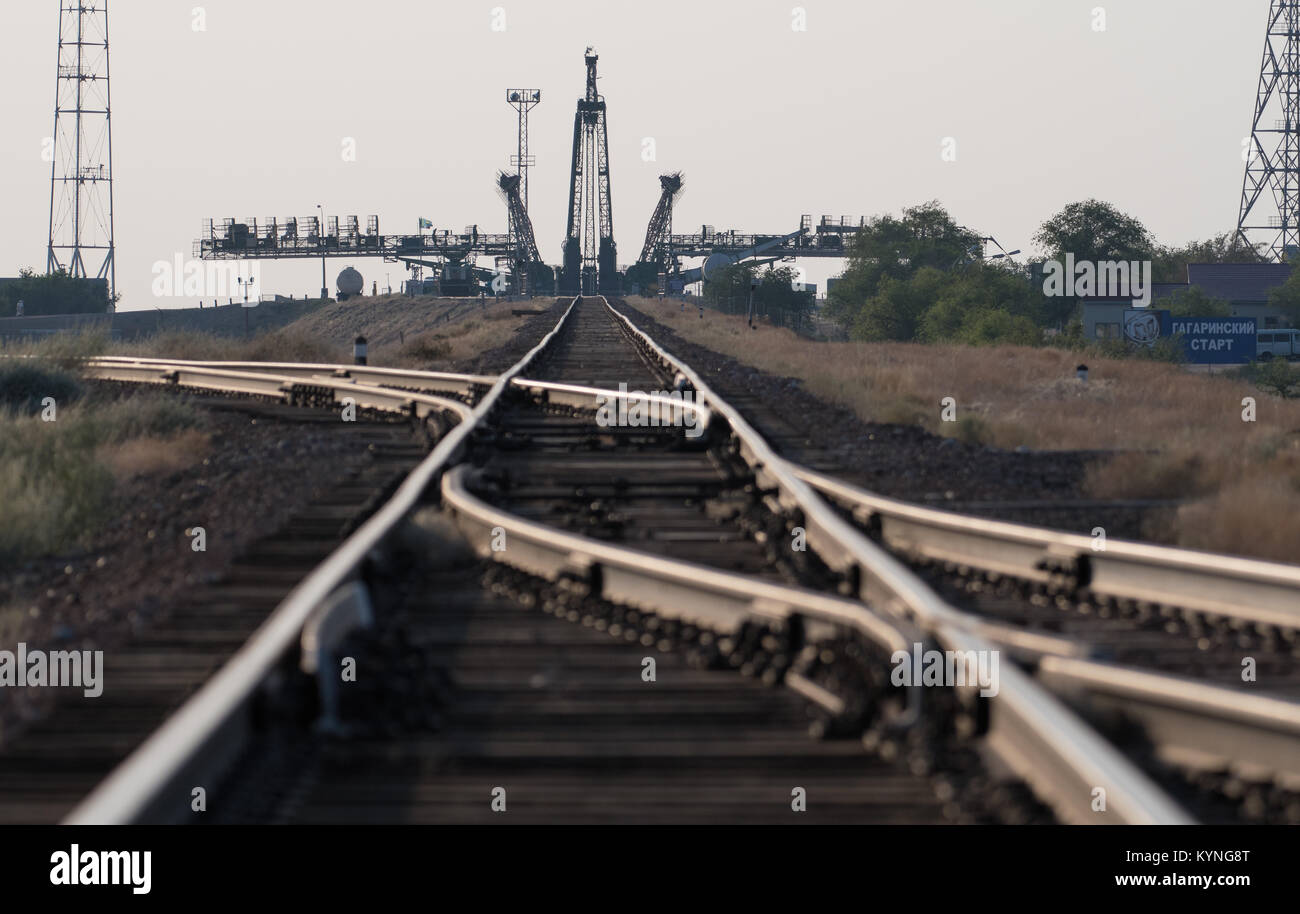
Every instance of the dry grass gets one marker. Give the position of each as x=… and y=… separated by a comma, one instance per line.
x=1183, y=432
x=455, y=344
x=289, y=344
x=57, y=477
x=64, y=351
x=1255, y=517
x=403, y=333
x=155, y=455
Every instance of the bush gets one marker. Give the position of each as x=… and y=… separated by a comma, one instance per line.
x=970, y=429
x=991, y=328
x=1276, y=377
x=25, y=383
x=1166, y=349
x=142, y=415
x=55, y=487
x=52, y=489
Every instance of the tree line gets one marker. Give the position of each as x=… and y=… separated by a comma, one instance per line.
x=922, y=277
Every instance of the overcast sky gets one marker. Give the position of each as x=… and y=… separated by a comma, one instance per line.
x=249, y=117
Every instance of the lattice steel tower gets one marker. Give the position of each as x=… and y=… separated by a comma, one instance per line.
x=81, y=182
x=658, y=236
x=590, y=256
x=1270, y=197
x=523, y=101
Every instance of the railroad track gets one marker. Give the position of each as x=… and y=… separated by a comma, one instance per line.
x=55, y=762
x=1190, y=658
x=645, y=544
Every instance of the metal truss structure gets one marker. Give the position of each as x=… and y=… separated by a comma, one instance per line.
x=81, y=179
x=590, y=255
x=1269, y=219
x=656, y=249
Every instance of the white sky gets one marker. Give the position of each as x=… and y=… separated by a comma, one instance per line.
x=248, y=118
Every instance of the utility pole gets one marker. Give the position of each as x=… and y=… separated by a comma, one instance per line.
x=324, y=283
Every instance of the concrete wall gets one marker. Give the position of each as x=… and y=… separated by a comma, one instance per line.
x=227, y=320
x=1104, y=314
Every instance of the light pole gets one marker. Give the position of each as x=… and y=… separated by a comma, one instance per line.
x=1009, y=255
x=324, y=283
x=244, y=283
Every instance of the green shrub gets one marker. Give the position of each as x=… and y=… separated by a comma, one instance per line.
x=26, y=382
x=969, y=428
x=55, y=491
x=1276, y=377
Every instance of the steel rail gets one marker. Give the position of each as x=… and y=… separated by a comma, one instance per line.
x=694, y=594
x=1030, y=730
x=409, y=379
x=1259, y=592
x=209, y=730
x=1029, y=645
x=1036, y=735
x=1168, y=706
x=578, y=396
x=281, y=387
x=1192, y=723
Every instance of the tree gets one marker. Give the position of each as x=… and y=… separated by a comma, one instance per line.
x=975, y=290
x=774, y=296
x=1093, y=231
x=895, y=312
x=889, y=248
x=988, y=328
x=645, y=277
x=1169, y=264
x=1286, y=297
x=1193, y=302
x=925, y=236
x=1096, y=231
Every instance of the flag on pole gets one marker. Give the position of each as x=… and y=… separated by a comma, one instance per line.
x=425, y=224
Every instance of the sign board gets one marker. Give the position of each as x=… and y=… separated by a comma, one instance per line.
x=1206, y=340
x=1218, y=340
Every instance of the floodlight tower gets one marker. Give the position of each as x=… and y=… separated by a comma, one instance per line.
x=1269, y=219
x=81, y=178
x=523, y=101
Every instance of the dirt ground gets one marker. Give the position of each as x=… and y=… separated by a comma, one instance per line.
x=253, y=474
